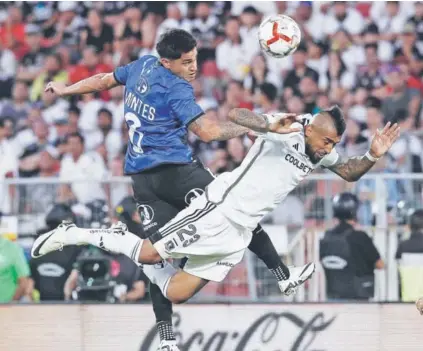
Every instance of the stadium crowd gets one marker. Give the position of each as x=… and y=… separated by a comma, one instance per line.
x=366, y=57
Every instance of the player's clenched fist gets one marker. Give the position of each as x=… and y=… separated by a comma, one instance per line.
x=281, y=123
x=56, y=88
x=419, y=305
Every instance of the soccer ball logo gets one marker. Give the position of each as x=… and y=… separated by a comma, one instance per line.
x=279, y=36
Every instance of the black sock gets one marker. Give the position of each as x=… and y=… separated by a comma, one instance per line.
x=163, y=311
x=165, y=330
x=263, y=247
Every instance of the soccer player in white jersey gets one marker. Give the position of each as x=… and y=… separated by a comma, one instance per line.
x=214, y=231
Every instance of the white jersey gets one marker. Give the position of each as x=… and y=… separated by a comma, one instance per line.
x=274, y=166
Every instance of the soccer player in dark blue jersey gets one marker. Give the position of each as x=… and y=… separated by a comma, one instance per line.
x=159, y=110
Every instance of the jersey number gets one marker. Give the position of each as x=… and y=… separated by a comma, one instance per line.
x=135, y=136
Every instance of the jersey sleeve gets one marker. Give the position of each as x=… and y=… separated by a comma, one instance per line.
x=330, y=159
x=121, y=73
x=182, y=103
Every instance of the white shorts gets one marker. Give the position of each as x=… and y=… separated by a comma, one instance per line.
x=210, y=241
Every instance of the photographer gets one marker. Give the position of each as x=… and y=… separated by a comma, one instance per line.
x=348, y=255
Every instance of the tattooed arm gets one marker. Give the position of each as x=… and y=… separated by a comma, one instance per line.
x=280, y=122
x=247, y=118
x=208, y=130
x=353, y=168
x=241, y=121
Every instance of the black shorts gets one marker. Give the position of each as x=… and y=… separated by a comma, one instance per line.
x=163, y=191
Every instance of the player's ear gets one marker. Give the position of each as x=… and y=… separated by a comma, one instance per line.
x=308, y=130
x=165, y=62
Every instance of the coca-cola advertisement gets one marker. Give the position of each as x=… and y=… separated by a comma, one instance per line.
x=237, y=327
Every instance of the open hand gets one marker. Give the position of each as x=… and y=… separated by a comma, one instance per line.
x=56, y=88
x=281, y=123
x=383, y=140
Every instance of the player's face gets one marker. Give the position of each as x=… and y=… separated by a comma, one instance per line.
x=184, y=67
x=320, y=141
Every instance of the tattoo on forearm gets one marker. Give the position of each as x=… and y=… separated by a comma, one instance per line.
x=353, y=168
x=216, y=131
x=249, y=119
x=229, y=130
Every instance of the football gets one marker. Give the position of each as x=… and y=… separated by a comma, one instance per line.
x=279, y=36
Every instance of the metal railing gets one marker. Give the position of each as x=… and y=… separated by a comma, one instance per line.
x=297, y=225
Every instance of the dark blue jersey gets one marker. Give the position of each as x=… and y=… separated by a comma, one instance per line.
x=158, y=108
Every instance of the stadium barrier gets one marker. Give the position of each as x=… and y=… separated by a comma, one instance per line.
x=270, y=327
x=295, y=227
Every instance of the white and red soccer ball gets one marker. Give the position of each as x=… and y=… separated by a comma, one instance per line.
x=279, y=36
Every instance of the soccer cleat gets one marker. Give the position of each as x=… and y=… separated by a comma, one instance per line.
x=53, y=240
x=119, y=228
x=297, y=276
x=168, y=345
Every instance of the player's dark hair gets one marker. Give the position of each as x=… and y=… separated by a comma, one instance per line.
x=77, y=135
x=416, y=220
x=337, y=116
x=175, y=42
x=269, y=90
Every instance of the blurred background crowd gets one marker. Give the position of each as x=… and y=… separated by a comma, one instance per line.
x=366, y=57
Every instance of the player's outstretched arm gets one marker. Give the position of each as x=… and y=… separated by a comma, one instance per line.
x=208, y=130
x=353, y=168
x=280, y=122
x=98, y=82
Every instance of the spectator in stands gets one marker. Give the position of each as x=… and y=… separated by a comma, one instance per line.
x=265, y=99
x=8, y=66
x=415, y=243
x=308, y=90
x=205, y=29
x=52, y=107
x=370, y=76
x=260, y=73
x=90, y=65
x=32, y=62
x=105, y=135
x=417, y=20
x=97, y=34
x=53, y=71
x=8, y=169
x=233, y=55
x=401, y=98
x=408, y=51
x=342, y=15
x=14, y=272
x=337, y=74
x=300, y=70
x=18, y=108
x=130, y=29
x=12, y=32
x=250, y=21
x=83, y=169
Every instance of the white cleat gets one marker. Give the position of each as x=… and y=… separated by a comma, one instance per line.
x=168, y=345
x=53, y=240
x=297, y=276
x=119, y=227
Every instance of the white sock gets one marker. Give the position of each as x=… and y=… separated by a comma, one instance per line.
x=128, y=244
x=160, y=275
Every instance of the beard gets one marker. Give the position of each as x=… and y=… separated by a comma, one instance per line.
x=314, y=158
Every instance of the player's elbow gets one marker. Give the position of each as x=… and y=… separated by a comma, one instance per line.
x=206, y=136
x=232, y=114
